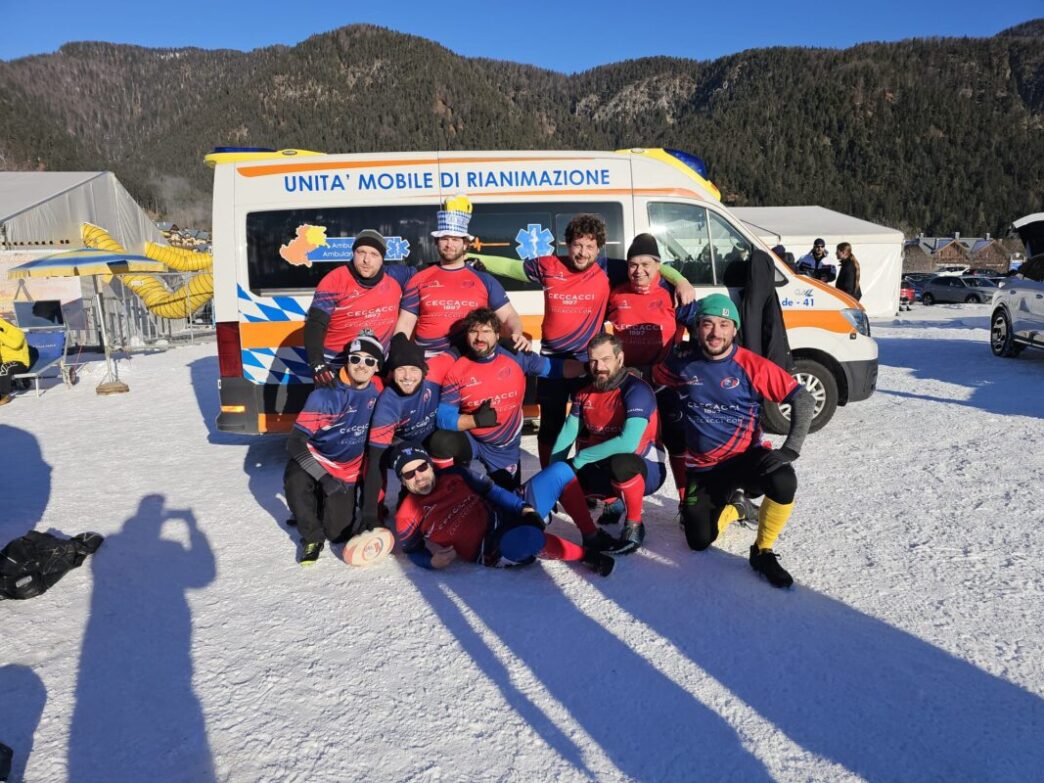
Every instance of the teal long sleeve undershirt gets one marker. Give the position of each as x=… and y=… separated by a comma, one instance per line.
x=624, y=443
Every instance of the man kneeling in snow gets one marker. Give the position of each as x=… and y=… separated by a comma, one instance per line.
x=455, y=513
x=326, y=455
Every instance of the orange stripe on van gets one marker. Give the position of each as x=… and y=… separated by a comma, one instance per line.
x=290, y=168
x=831, y=320
x=271, y=334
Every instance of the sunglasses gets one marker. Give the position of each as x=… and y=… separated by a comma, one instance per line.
x=369, y=361
x=422, y=468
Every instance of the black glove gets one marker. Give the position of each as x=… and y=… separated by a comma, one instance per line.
x=484, y=415
x=774, y=459
x=323, y=374
x=531, y=517
x=332, y=485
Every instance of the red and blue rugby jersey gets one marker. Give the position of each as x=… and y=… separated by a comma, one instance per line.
x=353, y=307
x=499, y=378
x=411, y=417
x=454, y=514
x=601, y=415
x=721, y=400
x=574, y=304
x=336, y=421
x=440, y=298
x=647, y=324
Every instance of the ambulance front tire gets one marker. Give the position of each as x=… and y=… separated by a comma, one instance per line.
x=821, y=384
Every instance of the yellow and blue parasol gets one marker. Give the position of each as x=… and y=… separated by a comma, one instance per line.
x=85, y=262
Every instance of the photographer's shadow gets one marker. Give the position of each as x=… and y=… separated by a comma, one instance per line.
x=22, y=699
x=136, y=715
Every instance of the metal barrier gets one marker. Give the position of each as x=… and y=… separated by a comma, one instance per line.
x=131, y=327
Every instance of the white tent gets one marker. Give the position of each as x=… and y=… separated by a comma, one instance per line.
x=878, y=248
x=41, y=213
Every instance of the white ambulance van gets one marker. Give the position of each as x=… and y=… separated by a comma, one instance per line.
x=284, y=219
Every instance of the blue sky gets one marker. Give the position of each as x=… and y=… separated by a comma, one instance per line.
x=563, y=36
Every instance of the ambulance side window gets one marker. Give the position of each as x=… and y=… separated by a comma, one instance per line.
x=732, y=252
x=682, y=232
x=524, y=230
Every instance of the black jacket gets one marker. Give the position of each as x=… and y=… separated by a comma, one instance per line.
x=847, y=281
x=763, y=331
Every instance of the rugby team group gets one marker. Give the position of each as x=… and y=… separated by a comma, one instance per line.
x=423, y=373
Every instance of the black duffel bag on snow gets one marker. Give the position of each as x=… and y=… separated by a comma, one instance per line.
x=30, y=565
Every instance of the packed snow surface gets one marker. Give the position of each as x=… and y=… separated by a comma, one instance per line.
x=193, y=647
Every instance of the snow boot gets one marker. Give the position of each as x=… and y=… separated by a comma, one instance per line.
x=309, y=553
x=599, y=562
x=766, y=563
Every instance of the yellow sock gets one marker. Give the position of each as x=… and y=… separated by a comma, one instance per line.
x=771, y=520
x=728, y=515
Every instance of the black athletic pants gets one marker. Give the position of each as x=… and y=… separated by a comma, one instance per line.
x=319, y=516
x=7, y=372
x=709, y=491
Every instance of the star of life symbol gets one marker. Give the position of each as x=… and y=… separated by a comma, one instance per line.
x=534, y=241
x=398, y=248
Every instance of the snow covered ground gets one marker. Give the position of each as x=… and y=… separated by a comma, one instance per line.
x=193, y=647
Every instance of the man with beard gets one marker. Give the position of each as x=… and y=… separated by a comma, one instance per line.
x=455, y=514
x=406, y=411
x=576, y=291
x=720, y=386
x=483, y=391
x=617, y=432
x=437, y=298
x=362, y=294
x=326, y=453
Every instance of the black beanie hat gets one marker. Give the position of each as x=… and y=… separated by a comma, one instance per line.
x=405, y=353
x=367, y=342
x=370, y=238
x=644, y=245
x=405, y=453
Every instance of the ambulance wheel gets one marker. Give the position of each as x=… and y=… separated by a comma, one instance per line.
x=820, y=383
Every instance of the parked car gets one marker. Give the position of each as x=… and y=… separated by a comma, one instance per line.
x=907, y=295
x=1018, y=310
x=951, y=288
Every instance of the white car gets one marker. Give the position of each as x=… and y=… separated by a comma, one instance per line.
x=1018, y=305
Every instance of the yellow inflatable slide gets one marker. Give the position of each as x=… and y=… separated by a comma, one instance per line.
x=152, y=290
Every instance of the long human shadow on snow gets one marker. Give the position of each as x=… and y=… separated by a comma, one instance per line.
x=136, y=715
x=876, y=700
x=998, y=385
x=27, y=482
x=22, y=699
x=265, y=456
x=649, y=727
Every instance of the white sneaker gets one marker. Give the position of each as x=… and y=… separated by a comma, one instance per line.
x=368, y=547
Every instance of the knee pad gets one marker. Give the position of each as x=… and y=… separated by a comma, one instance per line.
x=781, y=485
x=626, y=466
x=699, y=524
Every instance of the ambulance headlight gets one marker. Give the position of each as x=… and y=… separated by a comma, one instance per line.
x=857, y=317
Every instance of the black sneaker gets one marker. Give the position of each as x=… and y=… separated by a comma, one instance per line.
x=309, y=553
x=766, y=563
x=630, y=539
x=599, y=562
x=600, y=541
x=745, y=507
x=611, y=512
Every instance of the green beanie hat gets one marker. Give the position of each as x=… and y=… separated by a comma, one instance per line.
x=719, y=306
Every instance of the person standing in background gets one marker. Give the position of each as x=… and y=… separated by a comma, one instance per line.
x=848, y=276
